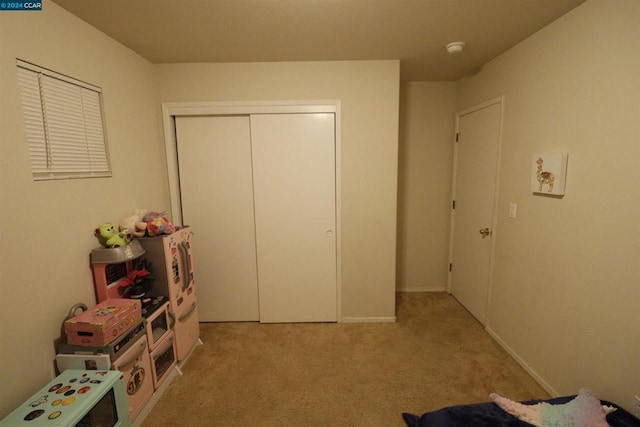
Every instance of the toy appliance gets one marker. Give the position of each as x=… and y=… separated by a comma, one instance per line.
x=110, y=266
x=76, y=398
x=171, y=258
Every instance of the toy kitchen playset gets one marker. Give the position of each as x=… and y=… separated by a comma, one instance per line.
x=143, y=338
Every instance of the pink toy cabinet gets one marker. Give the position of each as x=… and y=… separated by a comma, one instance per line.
x=110, y=266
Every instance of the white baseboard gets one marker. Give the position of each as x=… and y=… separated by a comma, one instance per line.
x=391, y=319
x=522, y=363
x=422, y=289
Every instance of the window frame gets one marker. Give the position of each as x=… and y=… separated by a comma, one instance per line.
x=64, y=125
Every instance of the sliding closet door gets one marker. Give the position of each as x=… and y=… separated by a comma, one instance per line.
x=214, y=159
x=295, y=216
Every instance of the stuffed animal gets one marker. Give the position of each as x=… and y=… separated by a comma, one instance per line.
x=110, y=238
x=158, y=224
x=134, y=224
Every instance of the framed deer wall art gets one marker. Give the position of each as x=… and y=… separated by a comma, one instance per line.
x=549, y=172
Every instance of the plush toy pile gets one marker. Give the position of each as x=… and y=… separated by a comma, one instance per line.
x=140, y=224
x=110, y=238
x=134, y=224
x=158, y=224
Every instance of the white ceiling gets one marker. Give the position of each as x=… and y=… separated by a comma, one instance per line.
x=414, y=31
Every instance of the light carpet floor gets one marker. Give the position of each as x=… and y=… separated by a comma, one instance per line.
x=328, y=374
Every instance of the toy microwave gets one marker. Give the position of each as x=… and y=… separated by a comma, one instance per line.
x=76, y=398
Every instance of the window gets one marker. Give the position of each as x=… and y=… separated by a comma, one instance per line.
x=64, y=126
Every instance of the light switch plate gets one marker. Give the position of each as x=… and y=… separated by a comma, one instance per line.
x=513, y=210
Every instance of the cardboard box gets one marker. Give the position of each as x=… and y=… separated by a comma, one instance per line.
x=100, y=325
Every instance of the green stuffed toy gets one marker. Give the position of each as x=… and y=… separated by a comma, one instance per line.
x=110, y=238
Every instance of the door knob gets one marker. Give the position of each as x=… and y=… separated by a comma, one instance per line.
x=485, y=232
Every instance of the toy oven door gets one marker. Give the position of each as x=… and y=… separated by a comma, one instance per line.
x=135, y=365
x=163, y=359
x=159, y=324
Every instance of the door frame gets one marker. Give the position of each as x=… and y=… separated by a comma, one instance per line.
x=494, y=220
x=171, y=110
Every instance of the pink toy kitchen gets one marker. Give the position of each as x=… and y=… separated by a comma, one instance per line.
x=116, y=357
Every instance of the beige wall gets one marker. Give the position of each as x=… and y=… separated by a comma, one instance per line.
x=566, y=283
x=427, y=127
x=565, y=289
x=47, y=227
x=369, y=93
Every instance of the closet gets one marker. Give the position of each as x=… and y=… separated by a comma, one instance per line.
x=259, y=191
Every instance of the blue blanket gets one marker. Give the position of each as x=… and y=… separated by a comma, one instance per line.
x=490, y=415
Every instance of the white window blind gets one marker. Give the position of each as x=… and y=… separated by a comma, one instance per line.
x=63, y=122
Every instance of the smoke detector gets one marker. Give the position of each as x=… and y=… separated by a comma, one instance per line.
x=455, y=47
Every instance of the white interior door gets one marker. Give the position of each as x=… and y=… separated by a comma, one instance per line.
x=295, y=216
x=473, y=216
x=214, y=160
